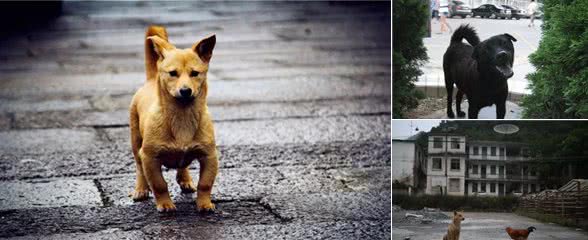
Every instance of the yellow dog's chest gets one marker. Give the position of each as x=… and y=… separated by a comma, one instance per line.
x=178, y=158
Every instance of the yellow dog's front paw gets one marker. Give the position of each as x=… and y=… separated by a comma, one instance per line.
x=205, y=206
x=139, y=195
x=166, y=206
x=187, y=187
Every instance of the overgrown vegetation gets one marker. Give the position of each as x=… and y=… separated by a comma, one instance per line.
x=550, y=218
x=409, y=26
x=560, y=85
x=450, y=203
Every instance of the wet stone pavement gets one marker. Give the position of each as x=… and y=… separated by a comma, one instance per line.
x=300, y=96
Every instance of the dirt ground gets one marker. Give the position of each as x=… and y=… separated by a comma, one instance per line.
x=426, y=107
x=480, y=226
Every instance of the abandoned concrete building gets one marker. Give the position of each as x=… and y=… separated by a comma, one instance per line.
x=459, y=166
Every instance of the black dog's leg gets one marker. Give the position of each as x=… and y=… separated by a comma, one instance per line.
x=458, y=99
x=449, y=88
x=473, y=111
x=500, y=110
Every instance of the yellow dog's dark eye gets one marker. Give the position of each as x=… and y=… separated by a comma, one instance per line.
x=173, y=73
x=194, y=74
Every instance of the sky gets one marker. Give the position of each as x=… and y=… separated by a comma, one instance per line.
x=401, y=129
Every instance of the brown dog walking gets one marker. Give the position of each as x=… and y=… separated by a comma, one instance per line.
x=169, y=120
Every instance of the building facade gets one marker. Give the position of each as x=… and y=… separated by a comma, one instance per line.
x=446, y=165
x=458, y=166
x=408, y=158
x=499, y=168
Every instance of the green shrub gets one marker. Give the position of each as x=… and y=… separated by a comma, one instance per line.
x=450, y=203
x=560, y=84
x=409, y=26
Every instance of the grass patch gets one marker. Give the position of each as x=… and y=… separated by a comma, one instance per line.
x=551, y=218
x=450, y=203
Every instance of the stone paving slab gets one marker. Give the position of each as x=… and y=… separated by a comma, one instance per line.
x=47, y=140
x=58, y=193
x=256, y=183
x=331, y=206
x=8, y=105
x=310, y=230
x=112, y=116
x=291, y=130
x=230, y=58
x=289, y=88
x=116, y=158
x=340, y=207
x=108, y=234
x=92, y=219
x=365, y=229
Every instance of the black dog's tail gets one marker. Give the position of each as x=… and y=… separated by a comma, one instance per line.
x=467, y=32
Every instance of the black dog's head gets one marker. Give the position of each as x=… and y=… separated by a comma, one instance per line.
x=496, y=55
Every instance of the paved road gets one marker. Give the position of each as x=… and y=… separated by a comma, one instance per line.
x=300, y=96
x=513, y=111
x=483, y=226
x=528, y=41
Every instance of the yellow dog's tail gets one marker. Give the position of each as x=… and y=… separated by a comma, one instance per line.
x=151, y=56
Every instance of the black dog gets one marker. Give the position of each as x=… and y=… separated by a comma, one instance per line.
x=479, y=70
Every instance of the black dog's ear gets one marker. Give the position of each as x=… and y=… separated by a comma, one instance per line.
x=510, y=37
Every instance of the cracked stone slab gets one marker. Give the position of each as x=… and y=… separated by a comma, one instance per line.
x=256, y=183
x=331, y=206
x=119, y=114
x=64, y=220
x=116, y=158
x=58, y=193
x=112, y=233
x=283, y=131
x=366, y=229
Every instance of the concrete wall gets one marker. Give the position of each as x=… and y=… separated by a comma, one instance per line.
x=403, y=162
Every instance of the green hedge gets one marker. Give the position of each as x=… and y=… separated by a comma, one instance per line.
x=409, y=26
x=560, y=84
x=450, y=203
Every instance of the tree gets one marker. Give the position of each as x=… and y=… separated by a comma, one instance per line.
x=409, y=26
x=560, y=85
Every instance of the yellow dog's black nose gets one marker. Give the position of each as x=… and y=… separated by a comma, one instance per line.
x=185, y=92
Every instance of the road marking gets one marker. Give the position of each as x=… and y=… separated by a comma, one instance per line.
x=533, y=47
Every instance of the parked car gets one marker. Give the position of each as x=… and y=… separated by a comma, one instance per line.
x=459, y=8
x=514, y=12
x=491, y=11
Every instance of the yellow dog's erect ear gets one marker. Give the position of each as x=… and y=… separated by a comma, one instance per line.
x=204, y=48
x=153, y=53
x=160, y=45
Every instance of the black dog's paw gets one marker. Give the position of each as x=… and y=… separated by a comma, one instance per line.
x=450, y=114
x=461, y=114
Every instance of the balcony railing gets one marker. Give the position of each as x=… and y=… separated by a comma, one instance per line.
x=504, y=158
